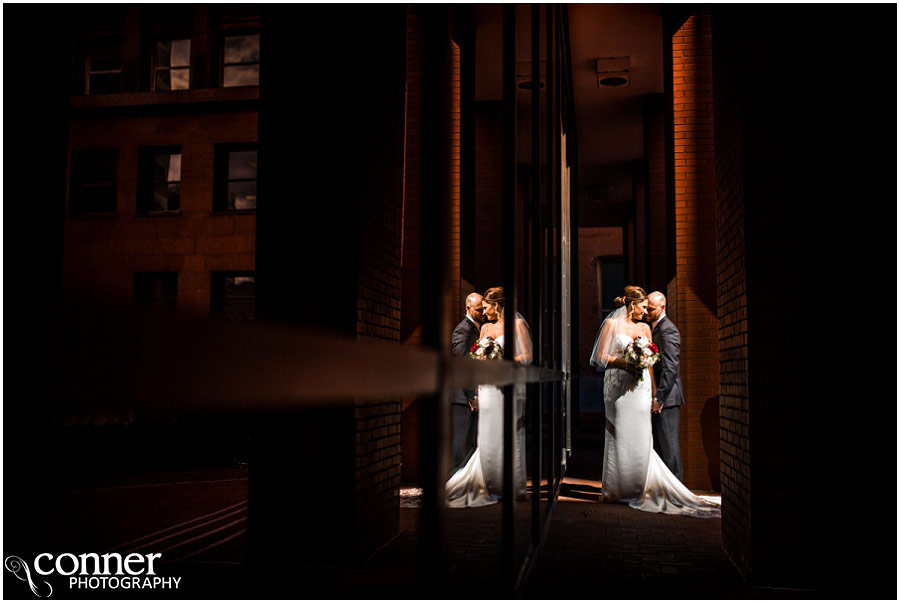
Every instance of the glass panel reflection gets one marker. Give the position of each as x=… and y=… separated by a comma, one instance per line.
x=242, y=165
x=241, y=75
x=242, y=49
x=242, y=195
x=172, y=67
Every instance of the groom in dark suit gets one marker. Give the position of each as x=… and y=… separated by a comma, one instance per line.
x=669, y=398
x=465, y=401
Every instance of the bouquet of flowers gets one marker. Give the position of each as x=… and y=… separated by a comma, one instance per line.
x=642, y=354
x=486, y=348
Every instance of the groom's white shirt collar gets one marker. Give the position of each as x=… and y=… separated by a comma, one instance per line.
x=657, y=321
x=472, y=320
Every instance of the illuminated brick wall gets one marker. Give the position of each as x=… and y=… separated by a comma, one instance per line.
x=695, y=241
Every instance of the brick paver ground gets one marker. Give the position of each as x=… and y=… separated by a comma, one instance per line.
x=592, y=550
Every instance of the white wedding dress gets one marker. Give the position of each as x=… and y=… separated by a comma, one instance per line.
x=632, y=471
x=480, y=481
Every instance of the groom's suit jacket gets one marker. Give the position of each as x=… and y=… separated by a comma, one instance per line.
x=666, y=371
x=464, y=335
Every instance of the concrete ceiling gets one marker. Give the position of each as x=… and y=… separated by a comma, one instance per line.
x=610, y=120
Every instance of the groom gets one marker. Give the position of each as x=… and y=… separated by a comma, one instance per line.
x=668, y=384
x=465, y=401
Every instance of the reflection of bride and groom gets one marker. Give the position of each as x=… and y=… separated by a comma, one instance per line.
x=633, y=473
x=478, y=477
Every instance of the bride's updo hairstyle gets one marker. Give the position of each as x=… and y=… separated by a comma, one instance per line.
x=494, y=295
x=632, y=295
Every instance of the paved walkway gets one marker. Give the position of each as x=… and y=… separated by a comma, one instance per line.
x=592, y=550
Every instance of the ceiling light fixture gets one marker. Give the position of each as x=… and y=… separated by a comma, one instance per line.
x=613, y=72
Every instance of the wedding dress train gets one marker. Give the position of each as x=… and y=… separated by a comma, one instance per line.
x=632, y=471
x=479, y=481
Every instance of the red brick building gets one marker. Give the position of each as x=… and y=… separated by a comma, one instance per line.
x=161, y=195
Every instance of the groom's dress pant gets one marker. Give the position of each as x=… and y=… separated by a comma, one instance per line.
x=665, y=439
x=464, y=429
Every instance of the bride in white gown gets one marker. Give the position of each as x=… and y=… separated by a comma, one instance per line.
x=479, y=481
x=632, y=471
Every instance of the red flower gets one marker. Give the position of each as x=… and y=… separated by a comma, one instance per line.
x=474, y=347
x=653, y=348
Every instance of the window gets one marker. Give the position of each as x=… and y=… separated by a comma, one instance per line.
x=241, y=61
x=172, y=65
x=236, y=168
x=233, y=295
x=103, y=67
x=155, y=291
x=159, y=181
x=92, y=182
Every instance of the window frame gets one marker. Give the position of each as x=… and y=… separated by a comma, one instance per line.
x=146, y=180
x=154, y=67
x=89, y=46
x=234, y=33
x=217, y=289
x=220, y=187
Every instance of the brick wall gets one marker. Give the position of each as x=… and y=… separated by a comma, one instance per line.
x=411, y=314
x=695, y=242
x=102, y=254
x=377, y=429
x=655, y=155
x=592, y=242
x=734, y=404
x=456, y=308
x=488, y=194
x=641, y=210
x=411, y=311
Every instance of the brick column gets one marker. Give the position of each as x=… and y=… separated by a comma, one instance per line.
x=734, y=404
x=695, y=243
x=655, y=155
x=411, y=314
x=456, y=310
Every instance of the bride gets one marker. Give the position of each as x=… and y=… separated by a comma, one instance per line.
x=632, y=471
x=480, y=481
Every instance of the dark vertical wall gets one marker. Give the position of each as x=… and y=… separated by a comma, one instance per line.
x=488, y=193
x=35, y=140
x=806, y=183
x=328, y=244
x=655, y=180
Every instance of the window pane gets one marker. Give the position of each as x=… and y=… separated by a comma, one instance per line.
x=174, y=194
x=94, y=199
x=181, y=53
x=181, y=79
x=242, y=165
x=163, y=80
x=167, y=168
x=241, y=75
x=105, y=83
x=166, y=197
x=106, y=56
x=92, y=167
x=239, y=297
x=242, y=49
x=160, y=197
x=164, y=53
x=242, y=195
